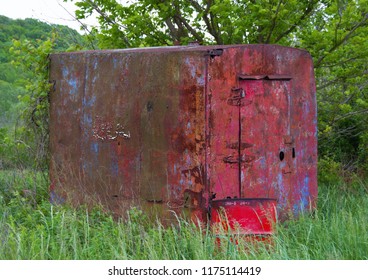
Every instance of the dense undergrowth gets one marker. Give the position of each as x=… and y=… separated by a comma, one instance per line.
x=32, y=228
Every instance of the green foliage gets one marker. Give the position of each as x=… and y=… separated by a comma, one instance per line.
x=329, y=171
x=15, y=149
x=32, y=30
x=33, y=57
x=32, y=228
x=9, y=93
x=24, y=47
x=156, y=22
x=340, y=48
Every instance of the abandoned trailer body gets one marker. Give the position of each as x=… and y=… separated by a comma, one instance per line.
x=179, y=128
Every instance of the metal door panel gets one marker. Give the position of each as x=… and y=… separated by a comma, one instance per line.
x=265, y=124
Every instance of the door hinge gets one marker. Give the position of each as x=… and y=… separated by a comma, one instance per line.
x=235, y=145
x=235, y=159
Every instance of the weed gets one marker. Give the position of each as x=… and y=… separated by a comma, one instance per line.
x=32, y=228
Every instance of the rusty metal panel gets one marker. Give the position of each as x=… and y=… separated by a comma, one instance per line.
x=177, y=128
x=134, y=125
x=65, y=131
x=275, y=110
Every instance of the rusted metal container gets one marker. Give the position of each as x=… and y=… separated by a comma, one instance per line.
x=177, y=128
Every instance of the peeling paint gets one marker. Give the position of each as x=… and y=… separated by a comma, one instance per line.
x=153, y=126
x=73, y=86
x=94, y=148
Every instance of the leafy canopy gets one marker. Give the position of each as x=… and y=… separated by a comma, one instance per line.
x=24, y=49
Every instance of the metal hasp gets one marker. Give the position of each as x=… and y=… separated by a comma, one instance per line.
x=178, y=128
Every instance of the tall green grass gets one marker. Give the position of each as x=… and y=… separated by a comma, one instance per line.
x=32, y=228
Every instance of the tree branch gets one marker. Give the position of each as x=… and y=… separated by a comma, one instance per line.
x=85, y=28
x=342, y=62
x=196, y=35
x=347, y=115
x=306, y=13
x=343, y=40
x=108, y=19
x=210, y=22
x=274, y=22
x=172, y=30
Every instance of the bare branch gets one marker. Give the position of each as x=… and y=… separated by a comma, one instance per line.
x=108, y=19
x=85, y=28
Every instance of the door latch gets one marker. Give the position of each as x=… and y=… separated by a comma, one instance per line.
x=237, y=98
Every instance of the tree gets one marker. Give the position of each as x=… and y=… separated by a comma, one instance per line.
x=24, y=49
x=335, y=32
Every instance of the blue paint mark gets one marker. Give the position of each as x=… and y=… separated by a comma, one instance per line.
x=305, y=193
x=95, y=64
x=94, y=79
x=193, y=72
x=191, y=67
x=87, y=168
x=279, y=181
x=115, y=62
x=282, y=202
x=87, y=121
x=115, y=168
x=72, y=82
x=201, y=80
x=65, y=72
x=87, y=75
x=306, y=108
x=94, y=147
x=302, y=205
x=188, y=125
x=263, y=163
x=90, y=102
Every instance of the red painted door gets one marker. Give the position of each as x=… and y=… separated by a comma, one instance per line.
x=251, y=145
x=266, y=151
